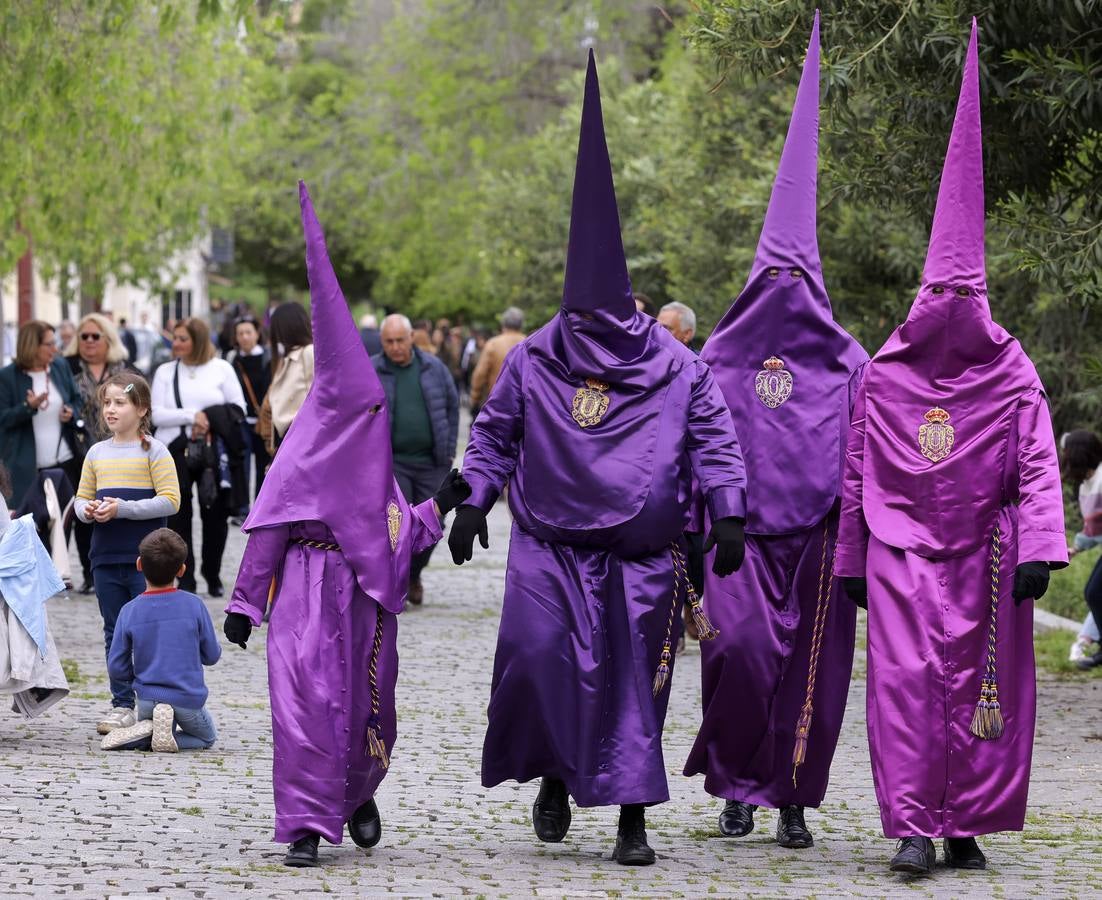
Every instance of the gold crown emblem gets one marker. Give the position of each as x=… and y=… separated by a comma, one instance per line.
x=773, y=364
x=936, y=415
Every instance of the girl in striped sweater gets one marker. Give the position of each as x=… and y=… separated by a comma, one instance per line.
x=128, y=488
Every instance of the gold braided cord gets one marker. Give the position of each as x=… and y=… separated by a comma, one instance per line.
x=987, y=721
x=822, y=606
x=682, y=586
x=317, y=545
x=375, y=744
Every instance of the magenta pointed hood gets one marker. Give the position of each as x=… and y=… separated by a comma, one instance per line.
x=941, y=393
x=780, y=331
x=335, y=464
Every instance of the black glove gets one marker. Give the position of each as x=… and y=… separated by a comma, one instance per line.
x=452, y=492
x=1030, y=580
x=469, y=522
x=237, y=629
x=730, y=543
x=857, y=589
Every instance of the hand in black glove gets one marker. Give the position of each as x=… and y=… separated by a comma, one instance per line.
x=237, y=629
x=857, y=589
x=452, y=492
x=730, y=543
x=1030, y=580
x=469, y=522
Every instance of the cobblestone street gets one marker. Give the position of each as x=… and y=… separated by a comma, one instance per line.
x=80, y=822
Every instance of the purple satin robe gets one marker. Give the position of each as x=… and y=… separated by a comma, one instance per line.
x=927, y=644
x=754, y=674
x=586, y=610
x=319, y=646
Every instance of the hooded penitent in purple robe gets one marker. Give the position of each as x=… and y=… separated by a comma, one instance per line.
x=951, y=482
x=597, y=424
x=789, y=374
x=333, y=530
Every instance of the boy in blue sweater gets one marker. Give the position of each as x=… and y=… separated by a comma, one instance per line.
x=162, y=640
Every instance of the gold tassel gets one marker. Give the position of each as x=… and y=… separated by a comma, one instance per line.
x=704, y=627
x=663, y=674
x=376, y=747
x=803, y=729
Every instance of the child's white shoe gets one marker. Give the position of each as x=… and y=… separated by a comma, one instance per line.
x=119, y=717
x=1080, y=650
x=120, y=738
x=164, y=724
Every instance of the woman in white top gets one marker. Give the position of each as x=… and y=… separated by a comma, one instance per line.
x=38, y=403
x=198, y=396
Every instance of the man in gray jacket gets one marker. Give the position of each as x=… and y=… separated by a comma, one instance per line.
x=424, y=422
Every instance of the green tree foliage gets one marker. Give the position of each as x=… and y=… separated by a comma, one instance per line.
x=891, y=78
x=119, y=121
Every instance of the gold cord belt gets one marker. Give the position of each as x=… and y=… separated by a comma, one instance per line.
x=822, y=606
x=681, y=586
x=317, y=545
x=987, y=721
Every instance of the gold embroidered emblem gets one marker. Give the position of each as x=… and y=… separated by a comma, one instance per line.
x=935, y=438
x=590, y=403
x=773, y=384
x=393, y=523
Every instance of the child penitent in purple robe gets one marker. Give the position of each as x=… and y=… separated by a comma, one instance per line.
x=330, y=540
x=952, y=516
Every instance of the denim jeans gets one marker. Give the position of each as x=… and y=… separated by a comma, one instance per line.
x=194, y=727
x=116, y=585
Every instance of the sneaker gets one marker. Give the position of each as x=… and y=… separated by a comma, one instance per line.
x=164, y=726
x=133, y=737
x=1090, y=662
x=119, y=717
x=1080, y=650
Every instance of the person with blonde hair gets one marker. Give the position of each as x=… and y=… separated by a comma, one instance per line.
x=95, y=353
x=198, y=407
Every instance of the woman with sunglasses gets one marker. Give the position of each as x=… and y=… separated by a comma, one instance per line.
x=94, y=354
x=38, y=398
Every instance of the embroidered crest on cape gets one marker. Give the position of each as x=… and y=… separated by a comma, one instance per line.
x=773, y=384
x=393, y=523
x=935, y=438
x=590, y=403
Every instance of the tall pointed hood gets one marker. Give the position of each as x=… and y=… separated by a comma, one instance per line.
x=596, y=268
x=785, y=367
x=335, y=464
x=955, y=255
x=941, y=393
x=789, y=235
x=597, y=345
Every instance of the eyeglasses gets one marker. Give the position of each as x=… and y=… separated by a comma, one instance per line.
x=90, y=337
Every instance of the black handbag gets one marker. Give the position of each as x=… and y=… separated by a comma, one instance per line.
x=193, y=449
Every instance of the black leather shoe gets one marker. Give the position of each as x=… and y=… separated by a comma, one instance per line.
x=88, y=587
x=365, y=827
x=915, y=856
x=303, y=853
x=737, y=819
x=551, y=811
x=963, y=853
x=791, y=830
x=215, y=590
x=632, y=848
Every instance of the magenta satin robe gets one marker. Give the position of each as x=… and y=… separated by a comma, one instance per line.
x=319, y=646
x=928, y=622
x=586, y=610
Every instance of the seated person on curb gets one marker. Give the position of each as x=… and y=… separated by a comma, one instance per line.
x=163, y=638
